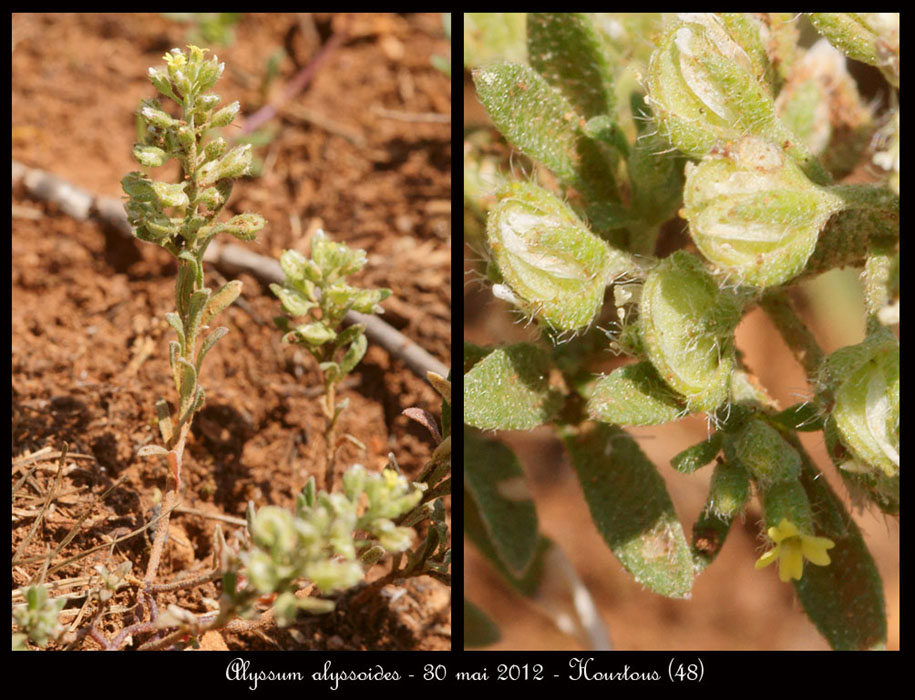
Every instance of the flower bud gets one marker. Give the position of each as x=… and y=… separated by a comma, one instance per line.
x=766, y=454
x=553, y=267
x=687, y=325
x=729, y=490
x=788, y=500
x=866, y=410
x=754, y=214
x=210, y=72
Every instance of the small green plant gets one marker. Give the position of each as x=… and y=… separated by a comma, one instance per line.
x=37, y=618
x=182, y=217
x=316, y=288
x=727, y=121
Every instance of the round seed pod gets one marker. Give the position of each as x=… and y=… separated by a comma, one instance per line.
x=754, y=214
x=865, y=378
x=552, y=267
x=687, y=324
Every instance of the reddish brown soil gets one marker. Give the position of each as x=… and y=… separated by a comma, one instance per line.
x=89, y=340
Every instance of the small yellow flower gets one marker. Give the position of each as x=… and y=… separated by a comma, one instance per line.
x=791, y=548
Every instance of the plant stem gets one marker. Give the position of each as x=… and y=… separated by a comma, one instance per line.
x=797, y=336
x=330, y=435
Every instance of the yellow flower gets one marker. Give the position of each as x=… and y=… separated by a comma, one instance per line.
x=791, y=548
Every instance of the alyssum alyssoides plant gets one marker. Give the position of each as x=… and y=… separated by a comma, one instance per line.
x=727, y=120
x=316, y=288
x=182, y=217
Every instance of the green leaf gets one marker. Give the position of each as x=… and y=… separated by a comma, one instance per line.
x=509, y=389
x=195, y=310
x=208, y=343
x=473, y=354
x=493, y=36
x=631, y=509
x=354, y=353
x=220, y=301
x=174, y=320
x=479, y=630
x=634, y=395
x=565, y=48
x=495, y=480
x=698, y=455
x=844, y=599
x=475, y=529
x=294, y=302
x=803, y=417
x=164, y=419
x=542, y=124
x=188, y=384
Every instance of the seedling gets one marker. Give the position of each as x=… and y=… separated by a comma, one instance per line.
x=727, y=121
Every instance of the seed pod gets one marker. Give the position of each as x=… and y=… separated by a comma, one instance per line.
x=149, y=156
x=866, y=411
x=687, y=324
x=754, y=214
x=153, y=114
x=225, y=115
x=553, y=267
x=706, y=89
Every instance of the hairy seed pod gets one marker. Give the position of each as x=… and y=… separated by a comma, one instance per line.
x=754, y=214
x=552, y=266
x=687, y=324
